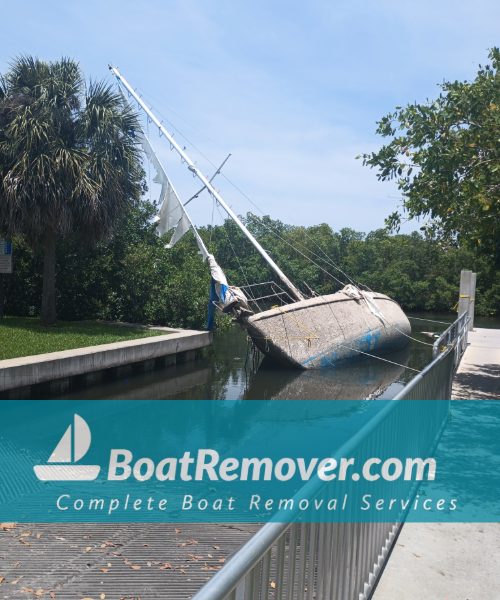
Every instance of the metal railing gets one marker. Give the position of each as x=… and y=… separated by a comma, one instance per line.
x=323, y=560
x=436, y=380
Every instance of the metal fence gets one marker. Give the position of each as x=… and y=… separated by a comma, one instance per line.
x=435, y=381
x=324, y=560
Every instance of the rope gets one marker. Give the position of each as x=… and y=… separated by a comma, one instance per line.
x=428, y=320
x=245, y=196
x=291, y=338
x=409, y=336
x=235, y=255
x=300, y=324
x=462, y=296
x=379, y=358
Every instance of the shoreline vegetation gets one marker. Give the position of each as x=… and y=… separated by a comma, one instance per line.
x=24, y=336
x=133, y=278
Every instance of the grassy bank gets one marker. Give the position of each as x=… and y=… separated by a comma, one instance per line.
x=23, y=336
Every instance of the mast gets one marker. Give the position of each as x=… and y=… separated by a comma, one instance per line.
x=192, y=167
x=203, y=249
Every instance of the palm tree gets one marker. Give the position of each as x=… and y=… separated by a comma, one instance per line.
x=69, y=162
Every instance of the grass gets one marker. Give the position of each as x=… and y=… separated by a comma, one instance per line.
x=24, y=336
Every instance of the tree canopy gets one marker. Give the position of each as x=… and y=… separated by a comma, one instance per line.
x=69, y=162
x=132, y=277
x=445, y=156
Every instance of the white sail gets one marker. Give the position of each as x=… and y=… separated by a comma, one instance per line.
x=172, y=213
x=82, y=438
x=62, y=453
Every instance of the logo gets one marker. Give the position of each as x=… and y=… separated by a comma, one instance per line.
x=73, y=446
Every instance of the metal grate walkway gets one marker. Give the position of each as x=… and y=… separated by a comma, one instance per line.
x=74, y=561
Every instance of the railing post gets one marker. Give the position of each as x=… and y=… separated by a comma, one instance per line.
x=472, y=301
x=465, y=292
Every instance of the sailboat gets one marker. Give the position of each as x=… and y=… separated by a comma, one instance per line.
x=73, y=446
x=313, y=331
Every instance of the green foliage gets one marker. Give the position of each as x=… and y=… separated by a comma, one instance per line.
x=129, y=278
x=420, y=273
x=134, y=278
x=69, y=161
x=21, y=336
x=445, y=155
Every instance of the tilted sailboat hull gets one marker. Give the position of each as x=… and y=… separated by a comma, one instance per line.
x=328, y=330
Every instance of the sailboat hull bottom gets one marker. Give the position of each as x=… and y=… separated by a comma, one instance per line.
x=328, y=330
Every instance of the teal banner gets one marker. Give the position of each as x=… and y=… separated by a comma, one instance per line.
x=249, y=461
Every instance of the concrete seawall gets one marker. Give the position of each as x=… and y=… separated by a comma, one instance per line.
x=56, y=372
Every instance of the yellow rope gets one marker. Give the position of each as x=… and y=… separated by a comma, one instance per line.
x=315, y=337
x=461, y=296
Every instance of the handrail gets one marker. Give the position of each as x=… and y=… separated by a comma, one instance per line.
x=453, y=339
x=235, y=570
x=448, y=332
x=418, y=378
x=241, y=579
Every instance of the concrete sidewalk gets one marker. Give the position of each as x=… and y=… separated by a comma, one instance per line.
x=478, y=375
x=443, y=561
x=452, y=561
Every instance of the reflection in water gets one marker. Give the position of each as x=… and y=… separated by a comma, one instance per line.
x=224, y=374
x=361, y=380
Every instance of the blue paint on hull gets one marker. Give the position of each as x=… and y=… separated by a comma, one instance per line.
x=374, y=342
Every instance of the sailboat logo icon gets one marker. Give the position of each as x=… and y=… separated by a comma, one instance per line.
x=73, y=446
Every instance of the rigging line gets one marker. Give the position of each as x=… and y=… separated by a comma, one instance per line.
x=301, y=244
x=149, y=163
x=214, y=142
x=384, y=359
x=212, y=223
x=307, y=257
x=409, y=336
x=184, y=120
x=253, y=204
x=328, y=261
x=428, y=320
x=302, y=254
x=235, y=255
x=182, y=135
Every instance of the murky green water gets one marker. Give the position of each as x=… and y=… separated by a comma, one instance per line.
x=225, y=373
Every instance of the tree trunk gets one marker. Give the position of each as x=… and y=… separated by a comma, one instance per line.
x=48, y=315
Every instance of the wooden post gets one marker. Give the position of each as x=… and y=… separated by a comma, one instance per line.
x=472, y=303
x=465, y=292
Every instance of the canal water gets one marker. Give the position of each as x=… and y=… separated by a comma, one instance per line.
x=226, y=371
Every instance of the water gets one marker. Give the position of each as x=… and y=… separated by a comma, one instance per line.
x=225, y=373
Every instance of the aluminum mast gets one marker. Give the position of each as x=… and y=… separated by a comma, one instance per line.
x=192, y=167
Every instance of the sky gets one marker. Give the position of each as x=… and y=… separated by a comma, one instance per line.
x=291, y=89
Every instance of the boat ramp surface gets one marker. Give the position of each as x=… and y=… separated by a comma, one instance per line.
x=72, y=561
